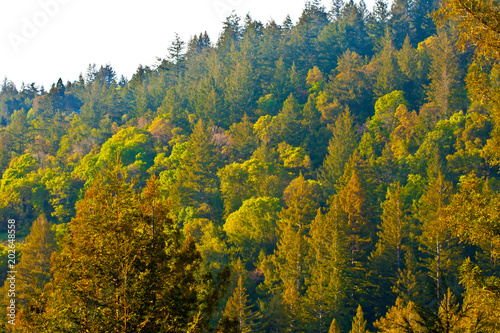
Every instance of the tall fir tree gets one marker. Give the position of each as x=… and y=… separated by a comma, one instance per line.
x=342, y=145
x=237, y=307
x=124, y=265
x=359, y=322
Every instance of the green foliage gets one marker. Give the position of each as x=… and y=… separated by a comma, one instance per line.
x=132, y=145
x=253, y=178
x=342, y=145
x=252, y=227
x=32, y=274
x=124, y=262
x=359, y=322
x=348, y=159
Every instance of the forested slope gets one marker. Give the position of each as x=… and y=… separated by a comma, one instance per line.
x=333, y=175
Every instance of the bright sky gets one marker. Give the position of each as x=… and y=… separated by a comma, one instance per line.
x=42, y=40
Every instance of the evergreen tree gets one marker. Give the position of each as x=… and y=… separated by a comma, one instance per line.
x=436, y=238
x=334, y=327
x=400, y=21
x=301, y=199
x=196, y=184
x=359, y=322
x=237, y=307
x=377, y=22
x=352, y=199
x=32, y=274
x=388, y=76
x=124, y=266
x=421, y=15
x=342, y=145
x=393, y=229
x=444, y=75
x=327, y=283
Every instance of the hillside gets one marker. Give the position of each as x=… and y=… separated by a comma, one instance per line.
x=339, y=174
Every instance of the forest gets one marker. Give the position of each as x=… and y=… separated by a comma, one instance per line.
x=337, y=174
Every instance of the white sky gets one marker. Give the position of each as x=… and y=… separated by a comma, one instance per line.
x=42, y=40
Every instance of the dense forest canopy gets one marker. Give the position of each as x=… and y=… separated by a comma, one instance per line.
x=339, y=174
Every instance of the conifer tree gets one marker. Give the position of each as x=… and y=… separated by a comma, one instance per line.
x=352, y=202
x=327, y=282
x=400, y=22
x=444, y=74
x=388, y=76
x=301, y=199
x=237, y=307
x=33, y=273
x=359, y=322
x=334, y=327
x=196, y=184
x=342, y=145
x=124, y=266
x=402, y=317
x=436, y=236
x=393, y=229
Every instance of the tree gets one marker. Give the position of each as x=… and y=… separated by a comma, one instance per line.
x=231, y=33
x=407, y=60
x=444, y=74
x=477, y=22
x=421, y=13
x=436, y=239
x=359, y=322
x=327, y=283
x=400, y=22
x=402, y=139
x=377, y=22
x=19, y=131
x=342, y=145
x=33, y=273
x=132, y=144
x=237, y=307
x=242, y=140
x=349, y=85
x=252, y=178
x=176, y=49
x=196, y=184
x=334, y=327
x=400, y=318
x=301, y=202
x=388, y=76
x=352, y=200
x=252, y=227
x=393, y=229
x=124, y=265
x=288, y=123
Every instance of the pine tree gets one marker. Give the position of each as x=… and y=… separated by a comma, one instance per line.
x=359, y=322
x=237, y=307
x=33, y=273
x=352, y=202
x=342, y=145
x=124, y=266
x=327, y=283
x=393, y=229
x=402, y=317
x=379, y=21
x=421, y=15
x=388, y=76
x=301, y=199
x=444, y=74
x=436, y=234
x=334, y=327
x=196, y=184
x=400, y=21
